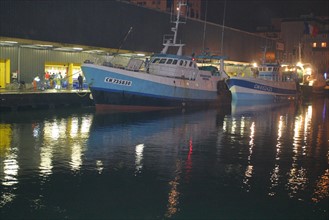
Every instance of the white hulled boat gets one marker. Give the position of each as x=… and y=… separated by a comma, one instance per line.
x=168, y=81
x=313, y=83
x=267, y=84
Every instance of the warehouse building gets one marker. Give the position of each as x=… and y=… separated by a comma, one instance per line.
x=58, y=36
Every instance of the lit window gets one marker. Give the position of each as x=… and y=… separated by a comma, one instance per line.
x=313, y=44
x=324, y=44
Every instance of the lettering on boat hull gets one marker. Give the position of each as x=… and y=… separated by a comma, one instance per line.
x=263, y=88
x=118, y=81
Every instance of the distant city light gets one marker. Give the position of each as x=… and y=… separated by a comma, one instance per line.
x=308, y=71
x=44, y=45
x=10, y=42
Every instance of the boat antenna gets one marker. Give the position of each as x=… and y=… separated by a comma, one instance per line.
x=177, y=21
x=222, y=70
x=168, y=40
x=124, y=39
x=223, y=27
x=204, y=27
x=300, y=52
x=264, y=54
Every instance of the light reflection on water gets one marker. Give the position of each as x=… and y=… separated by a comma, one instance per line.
x=209, y=164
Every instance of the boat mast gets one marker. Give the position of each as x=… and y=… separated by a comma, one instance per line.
x=223, y=26
x=300, y=52
x=264, y=53
x=171, y=42
x=223, y=73
x=124, y=39
x=204, y=28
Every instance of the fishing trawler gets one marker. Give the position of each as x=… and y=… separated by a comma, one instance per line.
x=312, y=83
x=268, y=84
x=167, y=81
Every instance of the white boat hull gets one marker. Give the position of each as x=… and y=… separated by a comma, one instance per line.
x=260, y=89
x=114, y=88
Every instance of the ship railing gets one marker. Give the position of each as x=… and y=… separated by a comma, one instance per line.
x=172, y=71
x=121, y=62
x=111, y=61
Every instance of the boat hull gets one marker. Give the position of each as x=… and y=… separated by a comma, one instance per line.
x=125, y=101
x=255, y=89
x=119, y=89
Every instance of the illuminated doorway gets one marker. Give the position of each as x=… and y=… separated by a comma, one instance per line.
x=4, y=73
x=69, y=72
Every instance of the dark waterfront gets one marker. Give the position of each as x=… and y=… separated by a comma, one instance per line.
x=239, y=162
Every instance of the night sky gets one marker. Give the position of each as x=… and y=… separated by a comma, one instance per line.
x=247, y=15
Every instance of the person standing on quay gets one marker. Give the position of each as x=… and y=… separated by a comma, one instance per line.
x=58, y=82
x=80, y=79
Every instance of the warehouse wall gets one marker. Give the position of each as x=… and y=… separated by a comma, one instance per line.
x=106, y=23
x=31, y=62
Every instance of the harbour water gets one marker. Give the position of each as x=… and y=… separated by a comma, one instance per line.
x=237, y=162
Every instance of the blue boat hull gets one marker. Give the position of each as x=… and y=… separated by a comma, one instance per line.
x=114, y=100
x=114, y=89
x=253, y=89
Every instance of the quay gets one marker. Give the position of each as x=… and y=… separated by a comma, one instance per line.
x=29, y=99
x=16, y=100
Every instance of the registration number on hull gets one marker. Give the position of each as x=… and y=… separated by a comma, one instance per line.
x=263, y=88
x=118, y=81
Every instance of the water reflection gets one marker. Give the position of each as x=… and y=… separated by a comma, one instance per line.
x=139, y=157
x=9, y=164
x=275, y=173
x=76, y=157
x=181, y=164
x=249, y=168
x=50, y=140
x=173, y=195
x=321, y=191
x=306, y=140
x=5, y=137
x=10, y=169
x=46, y=154
x=99, y=166
x=161, y=142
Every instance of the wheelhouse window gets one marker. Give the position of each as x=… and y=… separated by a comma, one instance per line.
x=174, y=62
x=163, y=61
x=190, y=63
x=169, y=61
x=181, y=62
x=156, y=60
